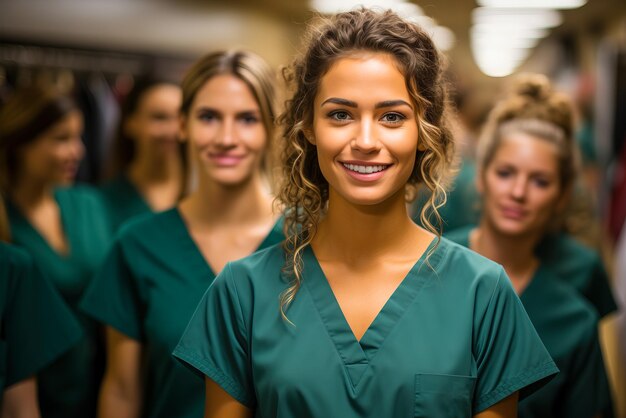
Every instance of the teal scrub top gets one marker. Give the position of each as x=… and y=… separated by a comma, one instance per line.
x=68, y=388
x=123, y=201
x=148, y=288
x=568, y=326
x=581, y=267
x=463, y=200
x=27, y=298
x=451, y=341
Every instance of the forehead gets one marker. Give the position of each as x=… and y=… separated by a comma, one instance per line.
x=225, y=91
x=527, y=151
x=364, y=75
x=160, y=94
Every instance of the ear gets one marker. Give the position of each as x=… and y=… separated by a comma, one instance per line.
x=308, y=134
x=182, y=128
x=420, y=146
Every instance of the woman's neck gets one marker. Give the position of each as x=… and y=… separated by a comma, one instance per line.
x=515, y=253
x=147, y=170
x=29, y=194
x=213, y=203
x=355, y=233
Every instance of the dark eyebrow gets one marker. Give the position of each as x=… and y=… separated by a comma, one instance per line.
x=391, y=103
x=339, y=101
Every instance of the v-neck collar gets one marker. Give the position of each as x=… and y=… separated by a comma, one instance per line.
x=192, y=248
x=16, y=215
x=357, y=355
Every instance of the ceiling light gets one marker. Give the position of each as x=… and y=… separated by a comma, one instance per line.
x=536, y=4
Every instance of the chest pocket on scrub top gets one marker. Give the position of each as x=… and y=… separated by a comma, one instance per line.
x=443, y=396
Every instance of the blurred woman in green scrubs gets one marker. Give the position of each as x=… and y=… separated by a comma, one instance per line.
x=527, y=166
x=63, y=228
x=26, y=297
x=362, y=313
x=161, y=264
x=148, y=164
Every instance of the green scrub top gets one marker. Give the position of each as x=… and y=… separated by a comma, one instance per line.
x=26, y=297
x=463, y=200
x=68, y=388
x=148, y=288
x=568, y=326
x=581, y=267
x=123, y=201
x=451, y=341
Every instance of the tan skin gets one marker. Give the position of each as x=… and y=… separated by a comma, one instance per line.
x=157, y=170
x=48, y=161
x=20, y=400
x=227, y=216
x=367, y=233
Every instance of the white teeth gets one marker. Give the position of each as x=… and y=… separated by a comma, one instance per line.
x=365, y=169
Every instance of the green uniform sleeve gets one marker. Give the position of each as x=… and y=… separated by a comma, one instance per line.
x=598, y=290
x=509, y=354
x=113, y=296
x=215, y=341
x=38, y=327
x=587, y=393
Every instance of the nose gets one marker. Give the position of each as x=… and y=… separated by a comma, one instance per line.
x=519, y=187
x=365, y=139
x=76, y=148
x=226, y=135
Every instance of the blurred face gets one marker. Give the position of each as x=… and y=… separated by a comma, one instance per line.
x=154, y=124
x=53, y=157
x=225, y=131
x=521, y=188
x=365, y=129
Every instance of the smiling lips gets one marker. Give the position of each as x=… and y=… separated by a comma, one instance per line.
x=226, y=160
x=363, y=171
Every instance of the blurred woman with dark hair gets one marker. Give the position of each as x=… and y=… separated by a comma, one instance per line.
x=63, y=227
x=147, y=168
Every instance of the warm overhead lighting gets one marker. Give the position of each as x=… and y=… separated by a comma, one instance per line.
x=534, y=18
x=535, y=4
x=336, y=6
x=520, y=32
x=443, y=37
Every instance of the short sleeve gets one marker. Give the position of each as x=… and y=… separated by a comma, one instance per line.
x=215, y=342
x=587, y=393
x=113, y=297
x=38, y=326
x=509, y=354
x=598, y=290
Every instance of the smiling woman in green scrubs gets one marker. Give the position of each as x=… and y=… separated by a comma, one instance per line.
x=527, y=166
x=161, y=264
x=362, y=313
x=148, y=163
x=26, y=297
x=63, y=228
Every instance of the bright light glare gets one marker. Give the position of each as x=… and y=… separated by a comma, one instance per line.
x=535, y=4
x=443, y=37
x=509, y=31
x=336, y=6
x=533, y=18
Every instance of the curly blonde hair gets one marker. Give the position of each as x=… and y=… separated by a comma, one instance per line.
x=305, y=191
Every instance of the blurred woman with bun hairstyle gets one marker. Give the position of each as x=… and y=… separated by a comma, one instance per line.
x=162, y=263
x=147, y=166
x=360, y=312
x=527, y=165
x=64, y=228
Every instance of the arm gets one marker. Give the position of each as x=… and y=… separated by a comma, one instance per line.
x=506, y=408
x=120, y=394
x=20, y=400
x=220, y=404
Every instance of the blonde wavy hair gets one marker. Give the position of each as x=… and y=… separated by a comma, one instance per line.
x=304, y=192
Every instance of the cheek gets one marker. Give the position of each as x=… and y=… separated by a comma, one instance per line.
x=254, y=137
